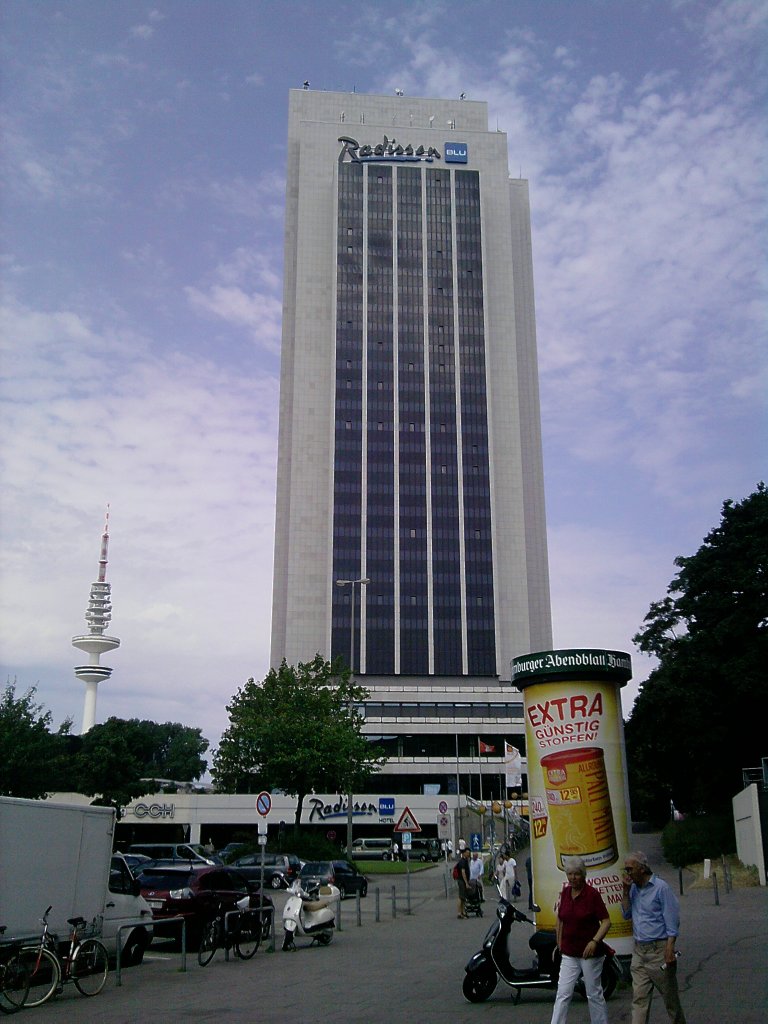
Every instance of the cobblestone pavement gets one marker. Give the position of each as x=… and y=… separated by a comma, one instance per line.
x=411, y=967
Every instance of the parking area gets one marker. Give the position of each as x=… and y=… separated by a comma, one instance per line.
x=413, y=965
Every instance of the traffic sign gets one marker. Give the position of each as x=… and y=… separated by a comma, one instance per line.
x=407, y=822
x=442, y=807
x=264, y=803
x=406, y=840
x=443, y=827
x=475, y=841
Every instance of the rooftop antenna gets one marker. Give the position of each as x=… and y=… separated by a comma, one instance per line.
x=306, y=84
x=431, y=120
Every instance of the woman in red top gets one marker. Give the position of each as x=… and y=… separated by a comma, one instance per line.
x=582, y=924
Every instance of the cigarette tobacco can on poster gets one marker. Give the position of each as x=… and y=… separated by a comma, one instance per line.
x=577, y=780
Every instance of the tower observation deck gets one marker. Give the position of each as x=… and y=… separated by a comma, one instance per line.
x=94, y=643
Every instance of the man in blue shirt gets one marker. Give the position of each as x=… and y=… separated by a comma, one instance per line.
x=655, y=914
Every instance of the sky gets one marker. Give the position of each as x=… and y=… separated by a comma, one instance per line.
x=143, y=170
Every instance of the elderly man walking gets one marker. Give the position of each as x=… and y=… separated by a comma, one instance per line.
x=655, y=914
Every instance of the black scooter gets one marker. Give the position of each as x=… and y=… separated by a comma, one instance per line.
x=492, y=962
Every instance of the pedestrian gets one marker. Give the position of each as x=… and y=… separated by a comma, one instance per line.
x=461, y=874
x=462, y=845
x=513, y=884
x=449, y=848
x=476, y=875
x=654, y=910
x=395, y=851
x=582, y=924
x=501, y=874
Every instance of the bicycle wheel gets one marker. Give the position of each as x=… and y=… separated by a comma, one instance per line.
x=44, y=973
x=14, y=984
x=89, y=967
x=248, y=936
x=209, y=941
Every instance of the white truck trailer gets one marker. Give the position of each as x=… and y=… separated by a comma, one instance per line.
x=60, y=855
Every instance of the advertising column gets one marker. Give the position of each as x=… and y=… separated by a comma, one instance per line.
x=577, y=776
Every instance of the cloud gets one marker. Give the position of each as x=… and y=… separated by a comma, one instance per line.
x=185, y=453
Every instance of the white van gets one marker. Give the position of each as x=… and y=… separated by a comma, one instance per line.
x=125, y=905
x=371, y=849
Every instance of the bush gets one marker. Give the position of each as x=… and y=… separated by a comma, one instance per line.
x=693, y=839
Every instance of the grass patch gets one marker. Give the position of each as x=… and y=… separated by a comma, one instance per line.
x=742, y=876
x=391, y=867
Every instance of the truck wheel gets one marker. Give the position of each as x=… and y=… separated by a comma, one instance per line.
x=134, y=949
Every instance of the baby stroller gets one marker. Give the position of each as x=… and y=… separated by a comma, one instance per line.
x=472, y=902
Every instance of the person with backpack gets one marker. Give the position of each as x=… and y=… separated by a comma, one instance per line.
x=461, y=875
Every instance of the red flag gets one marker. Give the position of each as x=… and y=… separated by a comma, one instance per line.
x=486, y=748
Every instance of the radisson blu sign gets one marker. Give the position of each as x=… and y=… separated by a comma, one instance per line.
x=390, y=150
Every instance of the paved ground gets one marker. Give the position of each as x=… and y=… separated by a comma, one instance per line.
x=411, y=968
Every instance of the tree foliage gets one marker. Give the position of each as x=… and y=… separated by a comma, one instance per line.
x=32, y=758
x=298, y=731
x=108, y=762
x=699, y=717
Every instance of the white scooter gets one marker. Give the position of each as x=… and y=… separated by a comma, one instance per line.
x=309, y=914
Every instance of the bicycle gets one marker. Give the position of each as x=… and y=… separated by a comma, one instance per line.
x=86, y=963
x=241, y=932
x=14, y=976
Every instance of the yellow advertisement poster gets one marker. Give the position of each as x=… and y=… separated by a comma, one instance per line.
x=577, y=780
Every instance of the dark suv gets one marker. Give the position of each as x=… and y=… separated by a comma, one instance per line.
x=280, y=869
x=196, y=893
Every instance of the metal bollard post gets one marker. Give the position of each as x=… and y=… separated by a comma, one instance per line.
x=358, y=909
x=714, y=886
x=394, y=902
x=680, y=876
x=377, y=904
x=340, y=926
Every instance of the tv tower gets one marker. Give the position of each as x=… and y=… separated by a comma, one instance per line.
x=94, y=643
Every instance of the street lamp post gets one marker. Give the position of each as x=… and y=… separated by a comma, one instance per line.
x=362, y=582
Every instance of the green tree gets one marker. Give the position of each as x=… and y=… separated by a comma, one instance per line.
x=118, y=760
x=33, y=760
x=299, y=731
x=699, y=718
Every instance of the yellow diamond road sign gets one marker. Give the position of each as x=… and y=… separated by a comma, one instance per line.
x=407, y=822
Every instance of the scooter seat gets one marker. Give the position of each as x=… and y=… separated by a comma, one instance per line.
x=312, y=905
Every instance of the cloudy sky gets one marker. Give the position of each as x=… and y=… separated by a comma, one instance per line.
x=143, y=177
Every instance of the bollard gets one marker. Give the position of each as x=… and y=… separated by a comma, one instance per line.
x=680, y=875
x=377, y=904
x=714, y=886
x=340, y=926
x=394, y=902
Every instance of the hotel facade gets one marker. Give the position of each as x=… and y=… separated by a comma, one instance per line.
x=410, y=528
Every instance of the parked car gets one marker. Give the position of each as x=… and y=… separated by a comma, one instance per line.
x=172, y=852
x=137, y=861
x=231, y=850
x=348, y=879
x=423, y=850
x=371, y=849
x=315, y=873
x=195, y=893
x=280, y=869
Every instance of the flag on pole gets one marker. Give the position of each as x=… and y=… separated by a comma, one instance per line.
x=513, y=765
x=486, y=748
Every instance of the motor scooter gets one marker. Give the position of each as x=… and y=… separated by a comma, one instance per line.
x=310, y=914
x=492, y=961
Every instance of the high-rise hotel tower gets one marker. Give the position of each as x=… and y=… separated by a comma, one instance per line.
x=410, y=501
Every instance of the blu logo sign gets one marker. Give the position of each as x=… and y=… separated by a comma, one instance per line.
x=456, y=152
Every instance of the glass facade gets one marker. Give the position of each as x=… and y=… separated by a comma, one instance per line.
x=412, y=508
